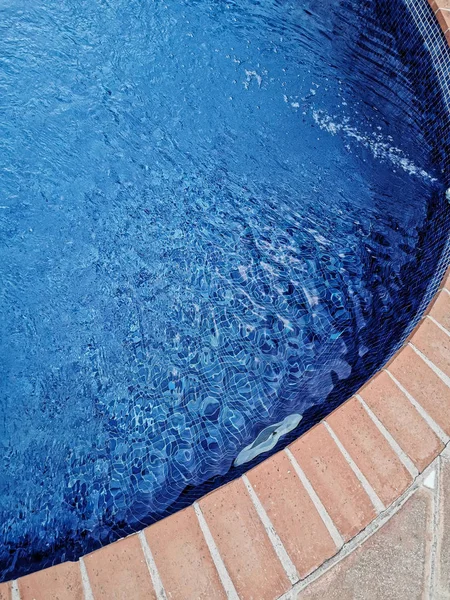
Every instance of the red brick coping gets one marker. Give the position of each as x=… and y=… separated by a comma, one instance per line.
x=256, y=537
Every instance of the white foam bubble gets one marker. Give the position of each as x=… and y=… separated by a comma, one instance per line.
x=253, y=75
x=380, y=147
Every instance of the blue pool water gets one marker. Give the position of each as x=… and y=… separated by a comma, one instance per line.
x=213, y=215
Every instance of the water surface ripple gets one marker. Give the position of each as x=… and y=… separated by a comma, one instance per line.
x=212, y=215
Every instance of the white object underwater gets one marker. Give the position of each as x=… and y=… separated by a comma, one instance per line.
x=267, y=439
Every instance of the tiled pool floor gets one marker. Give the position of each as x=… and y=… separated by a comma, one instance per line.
x=406, y=557
x=360, y=513
x=357, y=513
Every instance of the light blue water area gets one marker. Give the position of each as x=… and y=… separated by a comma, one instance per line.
x=210, y=214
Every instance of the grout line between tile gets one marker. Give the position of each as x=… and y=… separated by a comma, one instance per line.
x=153, y=569
x=332, y=529
x=379, y=506
x=404, y=458
x=225, y=578
x=88, y=595
x=445, y=378
x=275, y=540
x=425, y=416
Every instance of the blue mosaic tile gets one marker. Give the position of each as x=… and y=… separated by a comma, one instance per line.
x=214, y=218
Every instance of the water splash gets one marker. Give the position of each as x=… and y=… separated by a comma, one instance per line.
x=377, y=144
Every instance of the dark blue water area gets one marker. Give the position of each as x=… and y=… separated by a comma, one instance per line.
x=213, y=215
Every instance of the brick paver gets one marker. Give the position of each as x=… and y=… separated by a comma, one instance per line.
x=395, y=563
x=402, y=420
x=292, y=513
x=119, y=572
x=243, y=543
x=5, y=591
x=434, y=344
x=423, y=385
x=334, y=481
x=183, y=560
x=62, y=582
x=370, y=451
x=443, y=17
x=446, y=282
x=391, y=565
x=443, y=4
x=441, y=308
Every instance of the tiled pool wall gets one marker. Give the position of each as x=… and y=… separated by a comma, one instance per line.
x=428, y=55
x=410, y=15
x=436, y=44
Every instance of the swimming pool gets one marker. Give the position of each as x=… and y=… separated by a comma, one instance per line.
x=214, y=217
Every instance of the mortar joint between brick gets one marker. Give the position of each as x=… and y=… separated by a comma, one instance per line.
x=420, y=409
x=445, y=378
x=373, y=496
x=152, y=568
x=400, y=453
x=15, y=592
x=87, y=589
x=360, y=538
x=222, y=571
x=323, y=513
x=273, y=536
x=441, y=327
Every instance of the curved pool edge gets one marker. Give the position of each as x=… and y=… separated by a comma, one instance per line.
x=303, y=508
x=241, y=540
